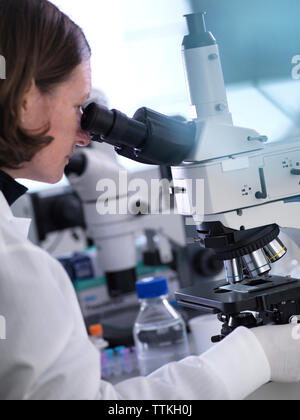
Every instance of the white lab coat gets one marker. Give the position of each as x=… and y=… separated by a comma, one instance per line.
x=47, y=353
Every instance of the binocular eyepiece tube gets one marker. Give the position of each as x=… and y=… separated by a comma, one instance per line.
x=149, y=137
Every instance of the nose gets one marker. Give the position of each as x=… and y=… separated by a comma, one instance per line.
x=83, y=138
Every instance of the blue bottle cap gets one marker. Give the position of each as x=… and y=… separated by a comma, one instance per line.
x=119, y=349
x=152, y=287
x=109, y=353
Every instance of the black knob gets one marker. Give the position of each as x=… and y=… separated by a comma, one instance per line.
x=217, y=339
x=77, y=165
x=206, y=264
x=67, y=212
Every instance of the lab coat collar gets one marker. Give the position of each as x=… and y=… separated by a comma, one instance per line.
x=11, y=189
x=19, y=225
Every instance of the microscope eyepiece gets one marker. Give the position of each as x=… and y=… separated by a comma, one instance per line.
x=149, y=137
x=97, y=117
x=112, y=127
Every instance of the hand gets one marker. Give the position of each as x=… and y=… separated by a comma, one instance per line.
x=281, y=344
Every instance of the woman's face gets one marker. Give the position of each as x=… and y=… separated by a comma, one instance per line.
x=63, y=109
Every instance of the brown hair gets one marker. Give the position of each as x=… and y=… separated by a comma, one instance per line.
x=38, y=42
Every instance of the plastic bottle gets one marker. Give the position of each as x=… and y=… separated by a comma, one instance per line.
x=159, y=332
x=96, y=337
x=134, y=359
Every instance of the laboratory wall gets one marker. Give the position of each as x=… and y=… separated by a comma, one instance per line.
x=257, y=38
x=136, y=47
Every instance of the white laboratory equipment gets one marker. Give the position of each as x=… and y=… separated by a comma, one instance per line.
x=251, y=188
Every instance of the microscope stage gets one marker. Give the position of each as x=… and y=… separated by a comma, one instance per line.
x=250, y=295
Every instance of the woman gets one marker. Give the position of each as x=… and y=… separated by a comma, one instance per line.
x=47, y=354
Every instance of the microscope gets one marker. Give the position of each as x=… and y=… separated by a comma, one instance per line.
x=115, y=217
x=251, y=188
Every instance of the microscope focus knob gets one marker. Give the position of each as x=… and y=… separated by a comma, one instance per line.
x=206, y=264
x=67, y=212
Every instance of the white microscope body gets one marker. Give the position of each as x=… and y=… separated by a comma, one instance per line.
x=247, y=182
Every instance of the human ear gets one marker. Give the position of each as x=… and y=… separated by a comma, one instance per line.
x=29, y=99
